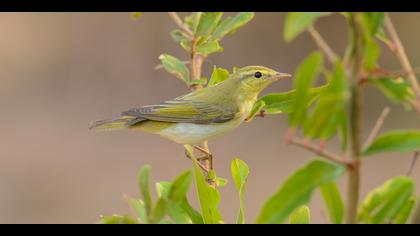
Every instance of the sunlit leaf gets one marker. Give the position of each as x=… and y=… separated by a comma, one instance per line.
x=207, y=23
x=143, y=179
x=304, y=78
x=374, y=21
x=297, y=190
x=397, y=90
x=301, y=215
x=175, y=66
x=231, y=24
x=135, y=15
x=396, y=141
x=240, y=172
x=383, y=204
x=333, y=202
x=297, y=22
x=140, y=208
x=405, y=212
x=219, y=75
x=209, y=47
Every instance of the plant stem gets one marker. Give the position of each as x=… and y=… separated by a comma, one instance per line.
x=355, y=122
x=322, y=44
x=399, y=51
x=377, y=127
x=180, y=24
x=323, y=153
x=413, y=163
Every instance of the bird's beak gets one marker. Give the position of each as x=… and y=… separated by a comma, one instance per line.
x=280, y=76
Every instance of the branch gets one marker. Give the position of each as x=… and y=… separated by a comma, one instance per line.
x=413, y=163
x=321, y=152
x=399, y=51
x=377, y=127
x=322, y=44
x=180, y=24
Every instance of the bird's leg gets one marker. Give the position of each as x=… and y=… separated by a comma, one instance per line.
x=187, y=154
x=206, y=160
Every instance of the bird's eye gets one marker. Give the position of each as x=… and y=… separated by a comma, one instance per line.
x=258, y=74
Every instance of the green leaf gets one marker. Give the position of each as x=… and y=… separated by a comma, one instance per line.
x=207, y=23
x=175, y=67
x=208, y=195
x=256, y=109
x=301, y=215
x=191, y=21
x=159, y=211
x=278, y=103
x=179, y=36
x=397, y=90
x=117, y=219
x=333, y=202
x=405, y=212
x=297, y=22
x=219, y=75
x=330, y=112
x=371, y=55
x=374, y=21
x=140, y=208
x=179, y=187
x=143, y=180
x=396, y=141
x=297, y=190
x=384, y=204
x=209, y=47
x=229, y=24
x=240, y=172
x=194, y=215
x=304, y=77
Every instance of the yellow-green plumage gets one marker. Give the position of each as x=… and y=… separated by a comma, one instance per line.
x=199, y=115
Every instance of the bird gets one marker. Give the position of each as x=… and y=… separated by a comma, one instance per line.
x=202, y=114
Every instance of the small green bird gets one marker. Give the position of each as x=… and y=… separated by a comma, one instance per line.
x=199, y=115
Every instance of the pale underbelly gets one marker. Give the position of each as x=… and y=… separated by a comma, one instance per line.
x=188, y=133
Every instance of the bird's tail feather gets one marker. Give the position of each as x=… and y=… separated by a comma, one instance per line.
x=121, y=122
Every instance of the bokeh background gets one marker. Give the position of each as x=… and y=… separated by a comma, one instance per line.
x=59, y=71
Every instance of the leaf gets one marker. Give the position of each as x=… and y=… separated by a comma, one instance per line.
x=229, y=24
x=194, y=215
x=135, y=15
x=374, y=21
x=219, y=75
x=333, y=202
x=176, y=67
x=209, y=196
x=191, y=21
x=330, y=113
x=209, y=47
x=305, y=75
x=301, y=215
x=297, y=22
x=207, y=23
x=371, y=55
x=383, y=204
x=256, y=109
x=396, y=141
x=405, y=212
x=159, y=211
x=397, y=90
x=278, y=103
x=117, y=219
x=179, y=35
x=143, y=179
x=179, y=187
x=140, y=208
x=240, y=172
x=297, y=190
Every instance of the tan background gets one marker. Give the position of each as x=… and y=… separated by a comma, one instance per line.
x=60, y=71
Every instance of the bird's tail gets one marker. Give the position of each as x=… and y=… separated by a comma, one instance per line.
x=121, y=122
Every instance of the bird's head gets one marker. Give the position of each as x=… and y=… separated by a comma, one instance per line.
x=253, y=79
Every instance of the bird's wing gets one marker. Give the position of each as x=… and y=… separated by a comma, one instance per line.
x=184, y=111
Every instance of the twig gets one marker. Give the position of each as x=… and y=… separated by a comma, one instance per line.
x=377, y=127
x=413, y=163
x=403, y=58
x=323, y=153
x=180, y=24
x=322, y=44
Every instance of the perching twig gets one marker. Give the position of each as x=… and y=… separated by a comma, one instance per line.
x=377, y=127
x=322, y=44
x=399, y=51
x=180, y=24
x=321, y=152
x=413, y=163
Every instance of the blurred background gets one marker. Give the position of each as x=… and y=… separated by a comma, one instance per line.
x=59, y=71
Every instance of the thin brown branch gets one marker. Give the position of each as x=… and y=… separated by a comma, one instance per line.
x=377, y=127
x=401, y=54
x=174, y=16
x=413, y=163
x=322, y=44
x=160, y=66
x=317, y=150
